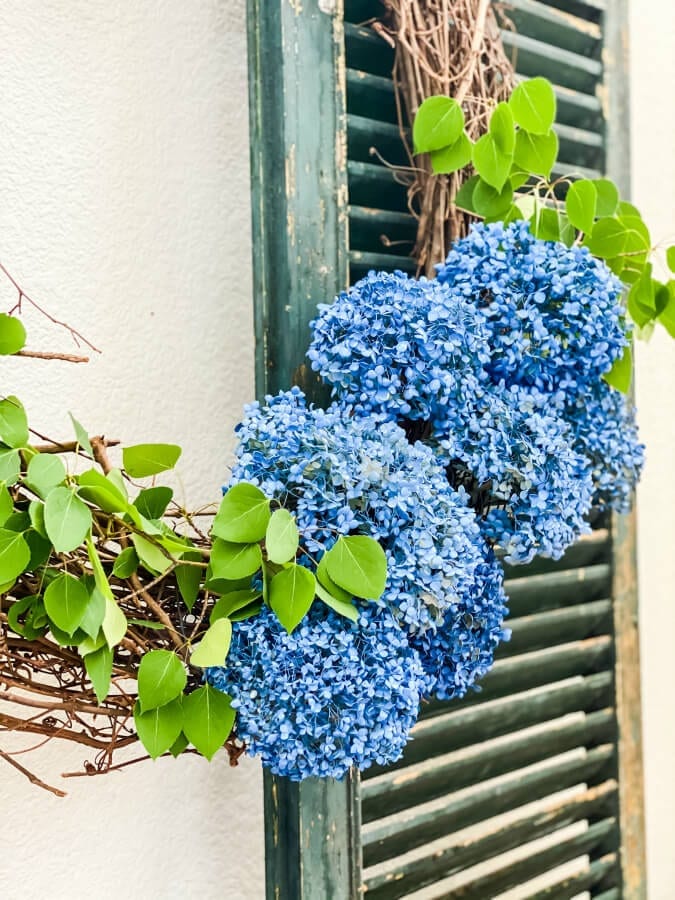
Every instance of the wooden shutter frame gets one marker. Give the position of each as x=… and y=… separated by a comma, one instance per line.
x=300, y=257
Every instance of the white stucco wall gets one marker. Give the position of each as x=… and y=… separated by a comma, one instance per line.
x=653, y=146
x=124, y=207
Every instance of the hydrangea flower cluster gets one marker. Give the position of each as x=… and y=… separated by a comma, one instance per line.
x=331, y=695
x=553, y=312
x=400, y=348
x=469, y=412
x=346, y=475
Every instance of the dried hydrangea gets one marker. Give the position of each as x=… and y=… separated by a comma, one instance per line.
x=347, y=475
x=331, y=695
x=553, y=312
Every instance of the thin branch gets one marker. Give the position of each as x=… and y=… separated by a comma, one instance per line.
x=30, y=776
x=40, y=354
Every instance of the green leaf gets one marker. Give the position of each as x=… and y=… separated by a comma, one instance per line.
x=536, y=153
x=359, y=565
x=581, y=203
x=667, y=315
x=12, y=335
x=45, y=471
x=99, y=669
x=607, y=239
x=81, y=435
x=346, y=609
x=6, y=504
x=159, y=728
x=13, y=422
x=439, y=122
x=608, y=197
x=161, y=678
x=642, y=300
x=334, y=589
x=99, y=490
x=34, y=623
x=452, y=158
x=246, y=612
x=178, y=745
x=670, y=258
x=533, y=105
x=189, y=579
x=66, y=600
x=147, y=623
x=232, y=602
x=232, y=561
x=491, y=163
x=94, y=614
x=67, y=519
x=243, y=515
x=150, y=555
x=517, y=178
x=208, y=719
x=464, y=196
x=126, y=563
x=291, y=595
x=546, y=224
x=213, y=648
x=282, y=537
x=144, y=460
x=14, y=555
x=489, y=202
x=114, y=623
x=10, y=466
x=40, y=549
x=152, y=502
x=621, y=373
x=502, y=128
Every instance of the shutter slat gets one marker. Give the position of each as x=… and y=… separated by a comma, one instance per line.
x=368, y=261
x=532, y=670
x=445, y=734
x=373, y=186
x=554, y=26
x=543, y=592
x=598, y=836
x=534, y=58
x=394, y=791
x=385, y=137
x=396, y=881
x=558, y=626
x=604, y=869
x=386, y=838
x=366, y=50
x=371, y=96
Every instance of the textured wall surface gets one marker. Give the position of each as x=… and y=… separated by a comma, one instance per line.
x=125, y=209
x=653, y=145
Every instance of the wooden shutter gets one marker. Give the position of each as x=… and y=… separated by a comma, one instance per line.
x=560, y=711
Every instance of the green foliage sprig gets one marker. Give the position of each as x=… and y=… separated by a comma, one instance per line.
x=513, y=164
x=113, y=600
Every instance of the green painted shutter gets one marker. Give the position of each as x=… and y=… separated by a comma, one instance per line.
x=560, y=710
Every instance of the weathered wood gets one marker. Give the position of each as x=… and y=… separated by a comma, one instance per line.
x=394, y=791
x=399, y=879
x=522, y=673
x=589, y=876
x=447, y=733
x=554, y=26
x=562, y=66
x=367, y=51
x=373, y=185
x=598, y=837
x=537, y=593
x=299, y=199
x=386, y=838
x=371, y=96
x=627, y=644
x=364, y=135
x=558, y=626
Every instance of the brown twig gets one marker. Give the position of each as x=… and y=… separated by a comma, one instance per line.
x=40, y=354
x=30, y=776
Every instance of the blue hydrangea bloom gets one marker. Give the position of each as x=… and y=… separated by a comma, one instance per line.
x=516, y=444
x=553, y=312
x=399, y=347
x=602, y=421
x=354, y=475
x=331, y=695
x=462, y=649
